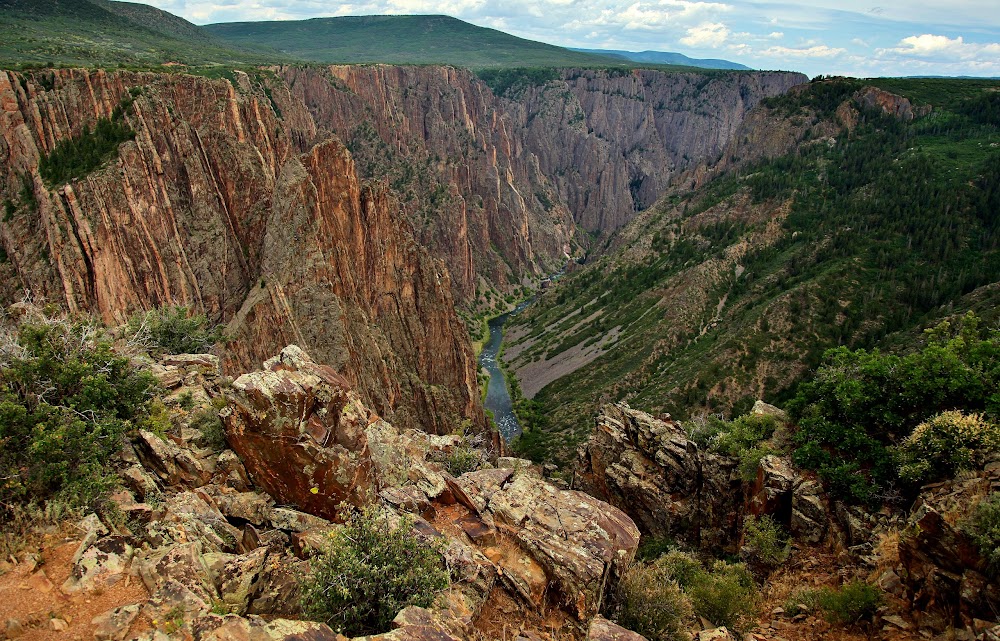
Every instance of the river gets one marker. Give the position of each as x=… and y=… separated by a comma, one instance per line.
x=497, y=395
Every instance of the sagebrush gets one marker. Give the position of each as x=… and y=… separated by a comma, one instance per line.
x=369, y=571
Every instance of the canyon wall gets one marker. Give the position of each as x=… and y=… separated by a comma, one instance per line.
x=346, y=209
x=221, y=205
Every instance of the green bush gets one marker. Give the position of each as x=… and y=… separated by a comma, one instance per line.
x=208, y=422
x=946, y=443
x=651, y=602
x=861, y=404
x=66, y=403
x=765, y=544
x=369, y=572
x=462, y=459
x=174, y=330
x=983, y=527
x=851, y=604
x=744, y=433
x=725, y=596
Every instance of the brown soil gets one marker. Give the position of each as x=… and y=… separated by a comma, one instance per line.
x=32, y=596
x=808, y=570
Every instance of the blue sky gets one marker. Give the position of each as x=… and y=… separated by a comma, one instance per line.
x=849, y=37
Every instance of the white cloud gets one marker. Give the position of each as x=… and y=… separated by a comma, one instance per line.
x=707, y=34
x=944, y=48
x=776, y=35
x=816, y=51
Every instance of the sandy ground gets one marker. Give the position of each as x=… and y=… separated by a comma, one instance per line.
x=31, y=595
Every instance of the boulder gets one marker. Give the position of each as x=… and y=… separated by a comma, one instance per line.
x=114, y=624
x=300, y=432
x=563, y=539
x=99, y=563
x=603, y=630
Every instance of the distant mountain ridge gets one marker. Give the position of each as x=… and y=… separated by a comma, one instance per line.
x=667, y=58
x=414, y=39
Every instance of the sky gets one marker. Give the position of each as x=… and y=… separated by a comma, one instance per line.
x=847, y=37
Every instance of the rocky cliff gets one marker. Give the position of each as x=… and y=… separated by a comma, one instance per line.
x=612, y=141
x=229, y=203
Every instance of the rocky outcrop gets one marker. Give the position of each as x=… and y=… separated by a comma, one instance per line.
x=612, y=141
x=944, y=576
x=457, y=162
x=649, y=468
x=672, y=488
x=221, y=556
x=307, y=440
x=222, y=204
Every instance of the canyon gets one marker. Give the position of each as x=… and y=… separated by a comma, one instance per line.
x=361, y=212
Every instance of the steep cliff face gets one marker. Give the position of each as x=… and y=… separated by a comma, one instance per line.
x=496, y=185
x=473, y=192
x=613, y=141
x=222, y=204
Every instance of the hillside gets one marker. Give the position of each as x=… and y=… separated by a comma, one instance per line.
x=103, y=33
x=846, y=214
x=403, y=40
x=667, y=58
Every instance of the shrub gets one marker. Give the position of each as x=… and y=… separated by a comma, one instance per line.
x=370, y=571
x=745, y=433
x=651, y=602
x=66, y=402
x=725, y=596
x=653, y=547
x=173, y=330
x=462, y=459
x=851, y=604
x=213, y=434
x=860, y=404
x=765, y=544
x=946, y=443
x=983, y=527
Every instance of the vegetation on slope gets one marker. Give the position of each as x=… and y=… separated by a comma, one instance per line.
x=102, y=33
x=402, y=40
x=735, y=292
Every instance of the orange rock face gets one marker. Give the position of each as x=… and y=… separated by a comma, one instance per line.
x=257, y=220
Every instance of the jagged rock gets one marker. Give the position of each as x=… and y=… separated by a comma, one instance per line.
x=101, y=562
x=181, y=564
x=573, y=538
x=603, y=630
x=253, y=507
x=114, y=624
x=191, y=516
x=408, y=499
x=650, y=469
x=278, y=589
x=417, y=624
x=238, y=629
x=295, y=417
x=230, y=471
x=204, y=363
x=140, y=482
x=810, y=520
x=285, y=518
x=760, y=407
x=942, y=570
x=175, y=466
x=239, y=578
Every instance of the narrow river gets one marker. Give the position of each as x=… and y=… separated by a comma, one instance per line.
x=497, y=396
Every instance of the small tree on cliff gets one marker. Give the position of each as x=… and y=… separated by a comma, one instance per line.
x=369, y=571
